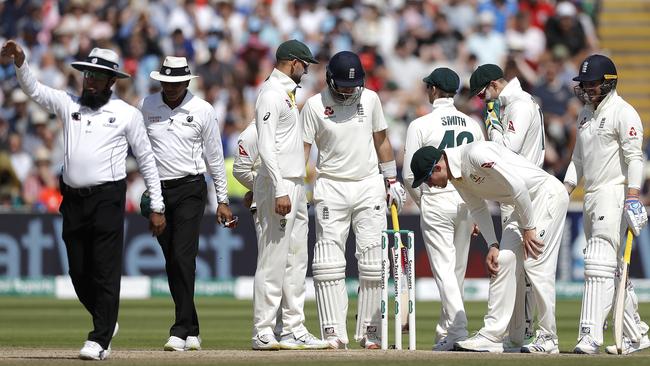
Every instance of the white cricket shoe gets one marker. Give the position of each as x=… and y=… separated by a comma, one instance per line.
x=93, y=351
x=478, y=343
x=370, y=342
x=543, y=343
x=336, y=343
x=174, y=344
x=265, y=342
x=193, y=343
x=629, y=346
x=446, y=344
x=307, y=341
x=587, y=346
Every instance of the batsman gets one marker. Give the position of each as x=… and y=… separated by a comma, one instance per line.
x=346, y=122
x=608, y=156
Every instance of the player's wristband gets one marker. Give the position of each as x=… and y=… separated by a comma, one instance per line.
x=388, y=169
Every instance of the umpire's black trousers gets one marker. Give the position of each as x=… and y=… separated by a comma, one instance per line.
x=93, y=232
x=185, y=200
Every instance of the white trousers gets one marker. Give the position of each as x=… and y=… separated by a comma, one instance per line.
x=446, y=229
x=549, y=213
x=281, y=260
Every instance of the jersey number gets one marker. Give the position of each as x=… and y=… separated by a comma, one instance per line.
x=449, y=140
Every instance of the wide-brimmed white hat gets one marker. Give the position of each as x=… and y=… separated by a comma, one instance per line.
x=173, y=70
x=101, y=59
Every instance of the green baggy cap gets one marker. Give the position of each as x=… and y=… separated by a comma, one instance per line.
x=422, y=164
x=294, y=49
x=443, y=78
x=482, y=76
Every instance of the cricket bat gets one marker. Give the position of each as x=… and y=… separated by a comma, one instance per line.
x=404, y=276
x=621, y=289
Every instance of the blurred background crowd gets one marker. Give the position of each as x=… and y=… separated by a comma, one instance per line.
x=231, y=45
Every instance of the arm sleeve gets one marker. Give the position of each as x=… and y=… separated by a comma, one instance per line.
x=55, y=101
x=243, y=167
x=410, y=147
x=574, y=170
x=630, y=134
x=378, y=119
x=481, y=214
x=267, y=115
x=309, y=124
x=515, y=125
x=141, y=148
x=214, y=154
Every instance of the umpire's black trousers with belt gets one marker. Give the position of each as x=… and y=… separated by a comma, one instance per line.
x=93, y=232
x=185, y=200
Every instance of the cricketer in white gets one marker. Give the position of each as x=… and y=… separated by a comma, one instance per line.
x=444, y=217
x=485, y=170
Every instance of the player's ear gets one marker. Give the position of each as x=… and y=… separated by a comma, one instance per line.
x=437, y=168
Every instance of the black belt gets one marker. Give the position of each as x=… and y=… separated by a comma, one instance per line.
x=87, y=191
x=171, y=183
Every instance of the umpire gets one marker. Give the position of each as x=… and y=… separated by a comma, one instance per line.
x=183, y=129
x=96, y=128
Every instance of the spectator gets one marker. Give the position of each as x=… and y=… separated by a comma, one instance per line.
x=488, y=45
x=21, y=161
x=531, y=38
x=565, y=29
x=41, y=188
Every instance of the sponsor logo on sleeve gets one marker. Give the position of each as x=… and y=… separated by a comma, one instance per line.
x=76, y=116
x=511, y=126
x=488, y=165
x=266, y=116
x=329, y=111
x=242, y=151
x=632, y=132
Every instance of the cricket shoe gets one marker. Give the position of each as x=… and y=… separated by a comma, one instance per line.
x=543, y=343
x=478, y=343
x=586, y=346
x=265, y=342
x=193, y=343
x=307, y=341
x=629, y=346
x=93, y=351
x=336, y=343
x=370, y=342
x=446, y=344
x=174, y=344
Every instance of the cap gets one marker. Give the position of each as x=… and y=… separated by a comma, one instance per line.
x=173, y=70
x=482, y=76
x=422, y=164
x=596, y=67
x=294, y=49
x=443, y=78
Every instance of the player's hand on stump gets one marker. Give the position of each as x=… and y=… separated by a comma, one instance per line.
x=635, y=214
x=157, y=223
x=492, y=261
x=395, y=192
x=11, y=49
x=282, y=205
x=533, y=247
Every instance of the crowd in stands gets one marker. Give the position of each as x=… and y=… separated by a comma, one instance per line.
x=231, y=45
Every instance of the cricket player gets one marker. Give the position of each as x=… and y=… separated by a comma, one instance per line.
x=608, y=156
x=515, y=121
x=445, y=220
x=485, y=170
x=356, y=171
x=281, y=206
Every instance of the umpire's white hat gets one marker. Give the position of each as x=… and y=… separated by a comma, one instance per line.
x=173, y=70
x=101, y=59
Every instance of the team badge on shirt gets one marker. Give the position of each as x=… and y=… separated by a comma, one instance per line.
x=602, y=123
x=111, y=120
x=189, y=118
x=511, y=126
x=76, y=116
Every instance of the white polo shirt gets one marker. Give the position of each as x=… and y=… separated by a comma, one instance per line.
x=279, y=133
x=183, y=137
x=246, y=162
x=343, y=134
x=96, y=142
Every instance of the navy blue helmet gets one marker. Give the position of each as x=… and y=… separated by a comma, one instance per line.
x=345, y=71
x=595, y=68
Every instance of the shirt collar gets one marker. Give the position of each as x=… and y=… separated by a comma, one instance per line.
x=443, y=102
x=454, y=162
x=510, y=91
x=612, y=95
x=288, y=85
x=187, y=98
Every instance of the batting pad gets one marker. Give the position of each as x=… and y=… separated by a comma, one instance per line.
x=600, y=270
x=331, y=294
x=368, y=312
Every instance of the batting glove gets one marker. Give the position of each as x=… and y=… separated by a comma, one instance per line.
x=395, y=193
x=492, y=121
x=635, y=215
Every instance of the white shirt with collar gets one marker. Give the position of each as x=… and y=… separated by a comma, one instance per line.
x=181, y=138
x=523, y=124
x=444, y=127
x=96, y=142
x=608, y=147
x=344, y=134
x=279, y=132
x=485, y=170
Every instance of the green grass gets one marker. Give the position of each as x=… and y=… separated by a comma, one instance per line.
x=35, y=323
